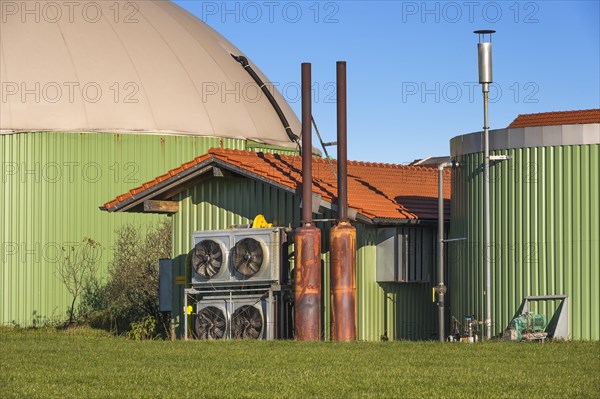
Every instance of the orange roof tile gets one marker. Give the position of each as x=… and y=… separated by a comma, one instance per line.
x=375, y=190
x=557, y=118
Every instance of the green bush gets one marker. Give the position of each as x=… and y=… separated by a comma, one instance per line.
x=132, y=287
x=130, y=295
x=142, y=330
x=93, y=307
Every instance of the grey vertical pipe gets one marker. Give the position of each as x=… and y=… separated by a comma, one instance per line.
x=484, y=53
x=486, y=196
x=342, y=142
x=440, y=255
x=306, y=145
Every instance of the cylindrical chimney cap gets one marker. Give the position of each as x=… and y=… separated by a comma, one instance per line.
x=484, y=50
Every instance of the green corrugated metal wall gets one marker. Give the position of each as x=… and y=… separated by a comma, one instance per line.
x=405, y=311
x=545, y=205
x=52, y=186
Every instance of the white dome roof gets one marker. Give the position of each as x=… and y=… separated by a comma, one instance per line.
x=101, y=67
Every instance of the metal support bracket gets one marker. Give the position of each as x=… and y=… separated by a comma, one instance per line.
x=500, y=157
x=454, y=239
x=440, y=289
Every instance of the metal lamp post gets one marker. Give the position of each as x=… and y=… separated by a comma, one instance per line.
x=484, y=50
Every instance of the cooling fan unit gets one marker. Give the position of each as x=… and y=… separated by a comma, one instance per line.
x=211, y=323
x=246, y=323
x=207, y=258
x=236, y=257
x=248, y=257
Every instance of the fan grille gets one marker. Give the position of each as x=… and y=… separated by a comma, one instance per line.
x=246, y=323
x=207, y=258
x=210, y=323
x=248, y=257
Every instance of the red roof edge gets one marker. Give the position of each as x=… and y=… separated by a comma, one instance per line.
x=577, y=117
x=109, y=206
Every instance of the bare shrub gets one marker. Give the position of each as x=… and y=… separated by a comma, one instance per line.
x=77, y=268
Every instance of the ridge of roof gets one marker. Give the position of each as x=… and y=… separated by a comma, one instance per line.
x=575, y=117
x=378, y=165
x=376, y=190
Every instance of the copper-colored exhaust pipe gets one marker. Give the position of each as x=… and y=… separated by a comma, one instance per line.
x=343, y=282
x=343, y=235
x=307, y=239
x=307, y=310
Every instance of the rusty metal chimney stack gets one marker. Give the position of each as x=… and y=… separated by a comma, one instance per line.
x=343, y=235
x=307, y=239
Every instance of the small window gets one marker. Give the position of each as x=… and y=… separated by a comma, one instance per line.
x=405, y=254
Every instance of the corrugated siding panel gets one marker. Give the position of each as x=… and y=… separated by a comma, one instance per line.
x=405, y=311
x=545, y=234
x=259, y=147
x=52, y=186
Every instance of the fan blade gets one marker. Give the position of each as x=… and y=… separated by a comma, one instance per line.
x=210, y=323
x=248, y=257
x=247, y=323
x=207, y=258
x=215, y=250
x=213, y=266
x=249, y=269
x=252, y=333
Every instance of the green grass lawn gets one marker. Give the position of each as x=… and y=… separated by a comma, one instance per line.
x=87, y=364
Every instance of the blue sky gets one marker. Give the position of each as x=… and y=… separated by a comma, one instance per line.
x=412, y=65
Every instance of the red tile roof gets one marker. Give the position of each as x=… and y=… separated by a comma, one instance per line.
x=557, y=118
x=375, y=190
